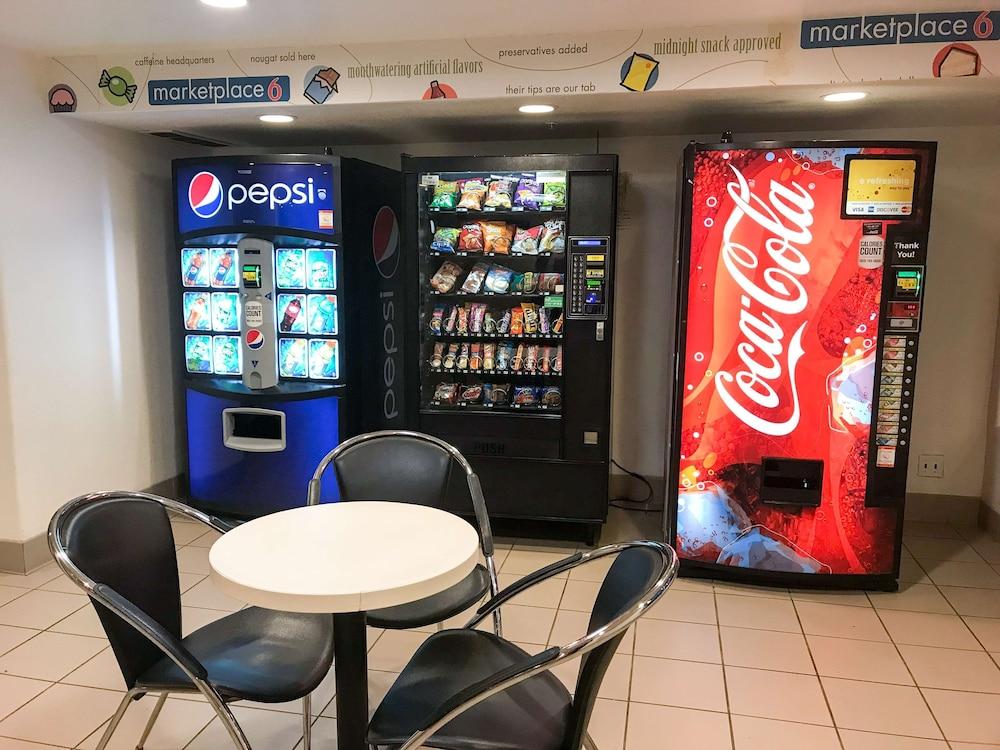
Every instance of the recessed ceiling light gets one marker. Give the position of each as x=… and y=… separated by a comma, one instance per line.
x=845, y=96
x=225, y=3
x=536, y=109
x=276, y=118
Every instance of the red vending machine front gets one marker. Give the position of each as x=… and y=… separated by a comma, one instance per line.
x=801, y=269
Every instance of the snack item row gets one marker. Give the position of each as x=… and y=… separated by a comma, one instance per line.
x=495, y=278
x=479, y=318
x=498, y=394
x=501, y=238
x=527, y=358
x=501, y=193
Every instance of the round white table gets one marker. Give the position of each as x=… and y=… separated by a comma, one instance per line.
x=345, y=558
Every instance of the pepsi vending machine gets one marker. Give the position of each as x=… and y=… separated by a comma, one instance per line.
x=288, y=296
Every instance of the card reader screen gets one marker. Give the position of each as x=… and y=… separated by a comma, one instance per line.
x=251, y=276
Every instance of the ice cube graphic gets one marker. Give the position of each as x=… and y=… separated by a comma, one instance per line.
x=761, y=548
x=707, y=521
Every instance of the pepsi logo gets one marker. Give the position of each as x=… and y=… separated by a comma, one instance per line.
x=254, y=339
x=205, y=195
x=385, y=242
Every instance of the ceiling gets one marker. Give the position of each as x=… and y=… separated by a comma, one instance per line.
x=746, y=110
x=75, y=27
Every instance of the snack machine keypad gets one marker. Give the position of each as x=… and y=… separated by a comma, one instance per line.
x=589, y=277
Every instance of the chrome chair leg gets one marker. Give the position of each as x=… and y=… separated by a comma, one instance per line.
x=228, y=720
x=497, y=623
x=588, y=742
x=152, y=720
x=307, y=722
x=116, y=719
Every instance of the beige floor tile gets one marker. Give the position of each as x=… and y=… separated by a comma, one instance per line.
x=564, y=547
x=10, y=593
x=393, y=650
x=655, y=726
x=607, y=724
x=678, y=640
x=874, y=707
x=987, y=548
x=79, y=710
x=193, y=560
x=840, y=622
x=927, y=549
x=545, y=594
x=580, y=595
x=685, y=684
x=966, y=717
x=16, y=691
x=102, y=671
x=8, y=744
x=776, y=695
x=915, y=597
x=274, y=730
x=40, y=609
x=570, y=625
x=32, y=580
x=176, y=726
x=858, y=660
x=592, y=571
x=928, y=629
x=524, y=624
x=952, y=669
x=206, y=540
x=759, y=613
x=11, y=637
x=193, y=618
x=855, y=740
x=977, y=575
x=614, y=686
x=185, y=533
x=61, y=583
x=50, y=656
x=966, y=601
x=378, y=685
x=911, y=572
x=702, y=585
x=189, y=580
x=521, y=562
x=206, y=596
x=752, y=733
x=757, y=592
x=846, y=598
x=686, y=606
x=766, y=649
x=928, y=529
x=954, y=746
x=986, y=631
x=82, y=622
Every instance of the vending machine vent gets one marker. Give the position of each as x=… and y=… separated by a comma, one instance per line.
x=191, y=138
x=791, y=481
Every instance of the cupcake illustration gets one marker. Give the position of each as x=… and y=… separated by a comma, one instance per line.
x=62, y=98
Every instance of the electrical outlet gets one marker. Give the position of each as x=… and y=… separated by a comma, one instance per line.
x=930, y=465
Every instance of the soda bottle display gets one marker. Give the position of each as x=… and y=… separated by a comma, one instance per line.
x=292, y=358
x=196, y=311
x=290, y=309
x=323, y=314
x=198, y=353
x=324, y=363
x=226, y=355
x=290, y=268
x=194, y=267
x=224, y=265
x=322, y=270
x=225, y=314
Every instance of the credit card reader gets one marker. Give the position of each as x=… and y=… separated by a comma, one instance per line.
x=259, y=342
x=589, y=275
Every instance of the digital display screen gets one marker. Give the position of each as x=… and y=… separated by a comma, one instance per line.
x=594, y=297
x=251, y=276
x=908, y=283
x=879, y=186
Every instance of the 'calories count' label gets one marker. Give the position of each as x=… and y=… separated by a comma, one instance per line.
x=871, y=251
x=253, y=314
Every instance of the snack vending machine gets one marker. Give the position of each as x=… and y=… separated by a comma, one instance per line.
x=802, y=270
x=287, y=294
x=512, y=261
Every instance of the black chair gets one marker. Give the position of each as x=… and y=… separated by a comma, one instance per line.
x=401, y=466
x=471, y=690
x=119, y=548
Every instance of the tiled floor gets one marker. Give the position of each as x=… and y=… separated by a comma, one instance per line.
x=714, y=666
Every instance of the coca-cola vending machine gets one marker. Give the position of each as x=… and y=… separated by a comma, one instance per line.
x=801, y=276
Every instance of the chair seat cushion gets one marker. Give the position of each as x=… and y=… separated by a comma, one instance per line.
x=435, y=608
x=255, y=654
x=532, y=715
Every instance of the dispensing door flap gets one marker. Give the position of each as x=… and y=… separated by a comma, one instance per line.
x=253, y=430
x=791, y=481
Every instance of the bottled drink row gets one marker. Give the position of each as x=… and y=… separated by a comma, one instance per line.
x=501, y=359
x=295, y=268
x=486, y=278
x=297, y=358
x=314, y=314
x=497, y=396
x=501, y=238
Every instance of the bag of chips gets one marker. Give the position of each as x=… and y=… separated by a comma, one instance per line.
x=444, y=280
x=498, y=279
x=544, y=322
x=554, y=194
x=445, y=195
x=517, y=363
x=504, y=355
x=451, y=356
x=476, y=356
x=451, y=320
x=551, y=397
x=527, y=194
x=438, y=355
x=489, y=323
x=473, y=193
x=530, y=318
x=525, y=395
x=445, y=240
x=517, y=322
x=463, y=320
x=500, y=192
x=437, y=318
x=474, y=281
x=500, y=394
x=477, y=315
x=531, y=358
x=497, y=236
x=470, y=239
x=552, y=239
x=463, y=357
x=471, y=394
x=503, y=326
x=526, y=241
x=489, y=356
x=446, y=393
x=550, y=282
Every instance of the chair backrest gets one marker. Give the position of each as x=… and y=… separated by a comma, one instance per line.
x=125, y=541
x=632, y=575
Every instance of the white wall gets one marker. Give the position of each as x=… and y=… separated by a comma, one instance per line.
x=86, y=396
x=956, y=355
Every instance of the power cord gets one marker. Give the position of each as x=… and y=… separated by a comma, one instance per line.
x=628, y=503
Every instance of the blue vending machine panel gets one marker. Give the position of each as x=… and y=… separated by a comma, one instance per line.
x=281, y=441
